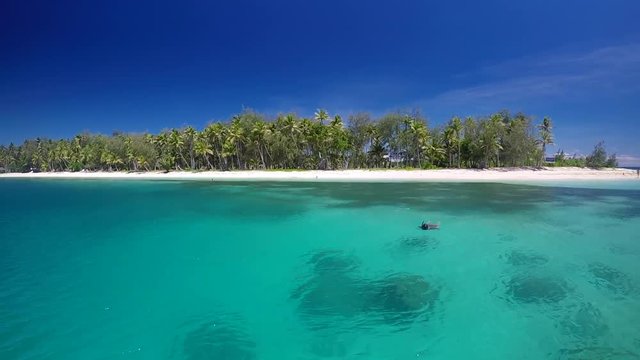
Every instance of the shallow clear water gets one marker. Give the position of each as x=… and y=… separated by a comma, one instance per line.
x=191, y=270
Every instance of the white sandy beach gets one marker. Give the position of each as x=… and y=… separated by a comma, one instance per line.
x=458, y=175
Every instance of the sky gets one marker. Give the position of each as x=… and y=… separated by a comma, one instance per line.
x=133, y=66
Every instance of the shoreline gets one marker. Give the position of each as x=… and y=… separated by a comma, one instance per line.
x=381, y=175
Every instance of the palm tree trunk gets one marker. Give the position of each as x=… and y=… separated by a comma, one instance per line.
x=218, y=156
x=269, y=157
x=238, y=154
x=184, y=160
x=264, y=165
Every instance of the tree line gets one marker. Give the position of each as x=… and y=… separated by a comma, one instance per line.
x=251, y=141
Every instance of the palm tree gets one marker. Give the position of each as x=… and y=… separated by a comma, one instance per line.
x=456, y=125
x=321, y=115
x=76, y=149
x=376, y=151
x=436, y=152
x=161, y=145
x=338, y=141
x=176, y=144
x=307, y=140
x=143, y=162
x=259, y=134
x=493, y=137
x=111, y=160
x=190, y=136
x=450, y=142
x=317, y=135
x=291, y=127
x=129, y=153
x=202, y=148
x=4, y=159
x=546, y=137
x=151, y=156
x=235, y=137
x=375, y=155
x=417, y=137
x=289, y=140
x=214, y=135
x=421, y=138
x=248, y=141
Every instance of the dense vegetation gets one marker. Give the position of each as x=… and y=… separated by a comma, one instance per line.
x=597, y=159
x=250, y=141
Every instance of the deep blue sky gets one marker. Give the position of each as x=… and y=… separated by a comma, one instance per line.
x=70, y=66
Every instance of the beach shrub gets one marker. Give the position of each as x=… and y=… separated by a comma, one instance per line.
x=561, y=160
x=598, y=158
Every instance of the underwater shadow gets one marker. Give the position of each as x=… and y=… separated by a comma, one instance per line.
x=220, y=338
x=242, y=201
x=606, y=278
x=415, y=244
x=521, y=258
x=532, y=289
x=335, y=293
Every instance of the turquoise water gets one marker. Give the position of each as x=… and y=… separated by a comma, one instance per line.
x=191, y=270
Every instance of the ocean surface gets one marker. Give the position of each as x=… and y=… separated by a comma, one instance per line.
x=194, y=270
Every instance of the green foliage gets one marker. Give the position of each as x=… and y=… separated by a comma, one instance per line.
x=251, y=141
x=561, y=160
x=546, y=137
x=519, y=143
x=598, y=158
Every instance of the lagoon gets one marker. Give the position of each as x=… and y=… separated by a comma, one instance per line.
x=267, y=270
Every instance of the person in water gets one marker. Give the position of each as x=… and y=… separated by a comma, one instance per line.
x=427, y=226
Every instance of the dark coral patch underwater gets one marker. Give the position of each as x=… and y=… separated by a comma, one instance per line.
x=610, y=279
x=335, y=289
x=523, y=258
x=536, y=289
x=218, y=339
